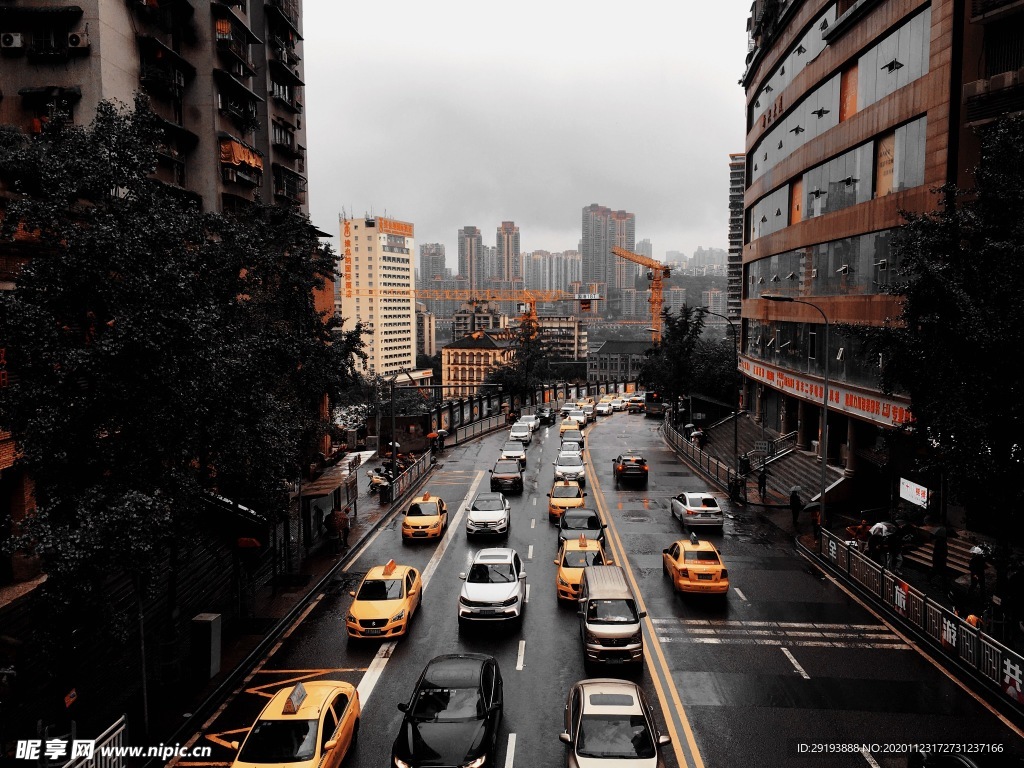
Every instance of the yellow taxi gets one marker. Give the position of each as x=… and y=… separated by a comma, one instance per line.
x=310, y=725
x=695, y=567
x=606, y=398
x=386, y=600
x=426, y=518
x=568, y=424
x=564, y=494
x=573, y=556
x=585, y=401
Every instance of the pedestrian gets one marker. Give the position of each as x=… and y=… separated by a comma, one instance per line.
x=940, y=555
x=977, y=568
x=344, y=526
x=816, y=520
x=795, y=505
x=762, y=484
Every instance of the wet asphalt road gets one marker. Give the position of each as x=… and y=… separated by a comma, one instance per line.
x=787, y=658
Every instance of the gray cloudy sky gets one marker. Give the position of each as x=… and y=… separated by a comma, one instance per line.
x=467, y=112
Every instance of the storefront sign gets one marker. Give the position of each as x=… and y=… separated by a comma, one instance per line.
x=914, y=493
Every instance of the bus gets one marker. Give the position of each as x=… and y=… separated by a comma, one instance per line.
x=654, y=405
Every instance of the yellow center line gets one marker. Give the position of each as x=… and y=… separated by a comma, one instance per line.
x=623, y=560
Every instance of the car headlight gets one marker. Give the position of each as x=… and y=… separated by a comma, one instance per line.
x=399, y=616
x=351, y=619
x=399, y=763
x=464, y=600
x=475, y=763
x=638, y=636
x=562, y=582
x=510, y=601
x=592, y=638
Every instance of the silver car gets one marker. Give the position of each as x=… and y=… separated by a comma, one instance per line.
x=698, y=509
x=608, y=723
x=490, y=514
x=531, y=420
x=570, y=466
x=521, y=432
x=494, y=589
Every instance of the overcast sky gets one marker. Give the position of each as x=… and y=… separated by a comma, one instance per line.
x=463, y=112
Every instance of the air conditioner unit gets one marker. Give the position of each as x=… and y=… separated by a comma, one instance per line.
x=1002, y=80
x=78, y=40
x=11, y=40
x=975, y=88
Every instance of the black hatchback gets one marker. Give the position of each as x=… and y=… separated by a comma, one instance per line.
x=454, y=714
x=580, y=521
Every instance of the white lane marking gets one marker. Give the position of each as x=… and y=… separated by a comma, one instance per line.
x=534, y=502
x=796, y=664
x=529, y=553
x=741, y=595
x=520, y=655
x=510, y=752
x=867, y=756
x=527, y=598
x=533, y=522
x=376, y=668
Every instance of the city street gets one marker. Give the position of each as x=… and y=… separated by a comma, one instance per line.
x=787, y=659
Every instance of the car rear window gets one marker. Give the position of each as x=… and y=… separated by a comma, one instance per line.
x=611, y=700
x=701, y=556
x=507, y=467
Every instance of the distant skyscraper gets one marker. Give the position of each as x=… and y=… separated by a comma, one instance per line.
x=492, y=270
x=603, y=228
x=737, y=183
x=508, y=255
x=471, y=256
x=644, y=248
x=431, y=262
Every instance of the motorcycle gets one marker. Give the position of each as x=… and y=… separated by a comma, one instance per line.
x=379, y=479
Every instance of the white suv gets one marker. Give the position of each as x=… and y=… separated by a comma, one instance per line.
x=494, y=589
x=521, y=432
x=531, y=420
x=489, y=515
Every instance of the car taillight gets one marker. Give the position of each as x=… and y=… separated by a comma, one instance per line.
x=643, y=467
x=620, y=467
x=691, y=512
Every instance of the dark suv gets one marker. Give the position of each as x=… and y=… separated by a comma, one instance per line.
x=546, y=415
x=507, y=476
x=630, y=466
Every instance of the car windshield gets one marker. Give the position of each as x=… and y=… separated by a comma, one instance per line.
x=507, y=467
x=573, y=435
x=491, y=573
x=566, y=492
x=570, y=447
x=581, y=559
x=625, y=736
x=572, y=460
x=581, y=522
x=380, y=589
x=422, y=509
x=280, y=741
x=488, y=505
x=611, y=612
x=513, y=446
x=445, y=705
x=701, y=556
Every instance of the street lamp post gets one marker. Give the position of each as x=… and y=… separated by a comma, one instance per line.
x=824, y=399
x=736, y=413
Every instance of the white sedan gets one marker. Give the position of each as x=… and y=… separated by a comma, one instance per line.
x=604, y=409
x=698, y=509
x=521, y=432
x=618, y=404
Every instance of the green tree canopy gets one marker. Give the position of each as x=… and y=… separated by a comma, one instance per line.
x=670, y=367
x=158, y=352
x=530, y=366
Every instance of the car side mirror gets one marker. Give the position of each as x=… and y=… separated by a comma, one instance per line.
x=643, y=614
x=555, y=562
x=565, y=738
x=584, y=494
x=491, y=471
x=235, y=745
x=351, y=594
x=330, y=745
x=403, y=707
x=549, y=495
x=609, y=561
x=664, y=551
x=462, y=576
x=522, y=577
x=663, y=740
x=604, y=525
x=580, y=614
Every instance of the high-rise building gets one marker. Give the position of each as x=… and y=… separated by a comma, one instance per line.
x=377, y=289
x=431, y=262
x=855, y=111
x=426, y=331
x=508, y=256
x=644, y=248
x=715, y=300
x=603, y=228
x=737, y=178
x=471, y=257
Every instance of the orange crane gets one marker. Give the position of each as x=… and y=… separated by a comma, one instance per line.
x=529, y=299
x=656, y=272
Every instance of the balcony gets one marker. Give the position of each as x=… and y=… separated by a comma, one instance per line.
x=286, y=11
x=236, y=50
x=985, y=10
x=989, y=100
x=289, y=186
x=163, y=72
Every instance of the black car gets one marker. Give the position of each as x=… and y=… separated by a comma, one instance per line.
x=546, y=415
x=580, y=521
x=630, y=466
x=454, y=714
x=507, y=475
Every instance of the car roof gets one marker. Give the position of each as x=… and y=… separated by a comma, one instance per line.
x=494, y=555
x=509, y=462
x=567, y=455
x=564, y=483
x=575, y=544
x=489, y=495
x=698, y=495
x=427, y=497
x=513, y=445
x=619, y=697
x=455, y=670
x=377, y=572
x=581, y=512
x=318, y=693
x=632, y=455
x=702, y=545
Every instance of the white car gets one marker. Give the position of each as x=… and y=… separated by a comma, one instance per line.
x=604, y=409
x=589, y=410
x=571, y=446
x=564, y=410
x=514, y=449
x=531, y=420
x=618, y=404
x=570, y=466
x=579, y=415
x=490, y=514
x=698, y=509
x=494, y=589
x=521, y=432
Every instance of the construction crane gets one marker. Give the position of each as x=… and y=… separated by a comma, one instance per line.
x=656, y=272
x=528, y=299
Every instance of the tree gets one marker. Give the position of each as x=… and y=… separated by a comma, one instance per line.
x=530, y=365
x=670, y=366
x=159, y=352
x=960, y=317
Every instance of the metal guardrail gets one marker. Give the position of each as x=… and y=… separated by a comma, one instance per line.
x=999, y=667
x=113, y=736
x=721, y=473
x=481, y=427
